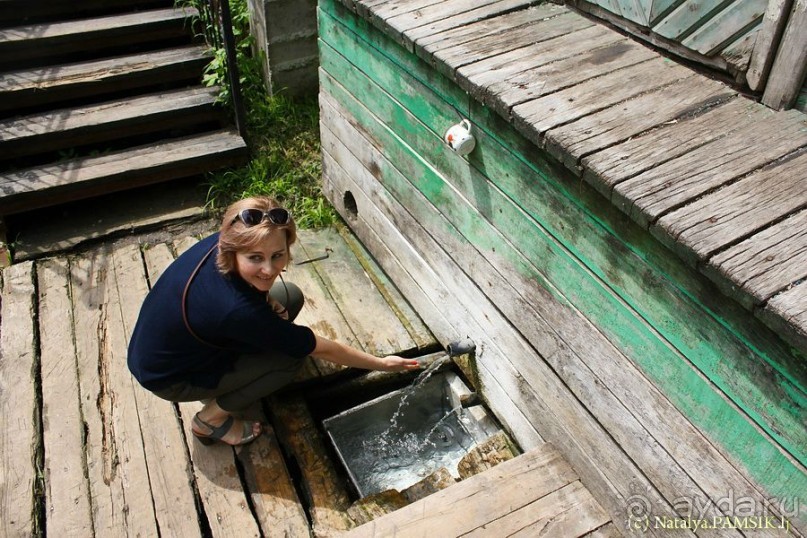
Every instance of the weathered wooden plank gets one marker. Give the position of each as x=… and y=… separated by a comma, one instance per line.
x=534, y=118
x=223, y=498
x=90, y=289
x=653, y=193
x=414, y=174
x=274, y=498
x=448, y=60
x=789, y=67
x=379, y=13
x=109, y=437
x=67, y=496
x=457, y=15
x=427, y=46
x=320, y=312
x=701, y=228
x=733, y=21
x=370, y=317
x=399, y=24
x=328, y=498
x=773, y=24
x=476, y=77
x=170, y=472
x=787, y=311
x=421, y=335
x=569, y=511
x=43, y=40
x=538, y=473
x=532, y=83
x=614, y=164
x=765, y=263
x=157, y=258
x=615, y=124
x=20, y=437
x=738, y=54
x=609, y=530
x=122, y=454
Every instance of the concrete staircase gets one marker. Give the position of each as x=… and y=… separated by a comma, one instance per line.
x=102, y=96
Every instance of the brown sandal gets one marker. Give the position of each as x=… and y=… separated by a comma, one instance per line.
x=217, y=433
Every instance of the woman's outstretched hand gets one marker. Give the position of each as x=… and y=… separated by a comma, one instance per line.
x=394, y=363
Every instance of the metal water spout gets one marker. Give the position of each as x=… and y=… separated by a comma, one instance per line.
x=460, y=347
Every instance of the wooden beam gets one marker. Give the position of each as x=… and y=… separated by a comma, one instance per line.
x=19, y=436
x=768, y=39
x=790, y=65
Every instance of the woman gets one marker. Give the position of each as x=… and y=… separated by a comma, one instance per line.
x=218, y=324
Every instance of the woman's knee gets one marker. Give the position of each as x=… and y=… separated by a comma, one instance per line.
x=289, y=295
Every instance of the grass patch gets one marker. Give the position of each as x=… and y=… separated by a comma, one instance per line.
x=282, y=134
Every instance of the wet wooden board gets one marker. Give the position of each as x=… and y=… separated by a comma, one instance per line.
x=67, y=490
x=469, y=508
x=375, y=324
x=327, y=495
x=19, y=438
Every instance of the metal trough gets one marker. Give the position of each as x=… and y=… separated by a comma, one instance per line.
x=394, y=441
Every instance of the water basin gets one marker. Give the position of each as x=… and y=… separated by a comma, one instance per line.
x=394, y=441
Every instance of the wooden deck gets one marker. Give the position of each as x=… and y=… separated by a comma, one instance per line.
x=717, y=177
x=87, y=452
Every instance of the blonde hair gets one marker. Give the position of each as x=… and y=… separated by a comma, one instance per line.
x=235, y=236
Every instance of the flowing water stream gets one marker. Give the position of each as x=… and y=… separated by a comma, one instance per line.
x=396, y=440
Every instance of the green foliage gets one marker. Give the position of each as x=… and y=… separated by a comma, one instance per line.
x=282, y=133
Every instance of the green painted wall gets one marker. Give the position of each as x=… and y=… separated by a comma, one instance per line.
x=734, y=379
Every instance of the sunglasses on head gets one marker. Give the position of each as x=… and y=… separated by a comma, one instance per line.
x=253, y=217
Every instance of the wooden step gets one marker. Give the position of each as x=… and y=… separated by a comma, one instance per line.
x=21, y=45
x=53, y=84
x=535, y=494
x=16, y=12
x=67, y=128
x=85, y=177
